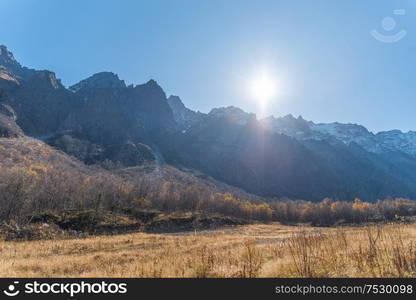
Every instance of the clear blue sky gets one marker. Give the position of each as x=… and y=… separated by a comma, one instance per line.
x=330, y=67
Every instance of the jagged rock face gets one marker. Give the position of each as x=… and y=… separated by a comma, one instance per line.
x=135, y=108
x=99, y=80
x=101, y=119
x=41, y=104
x=10, y=69
x=37, y=97
x=12, y=74
x=96, y=119
x=121, y=119
x=184, y=117
x=148, y=103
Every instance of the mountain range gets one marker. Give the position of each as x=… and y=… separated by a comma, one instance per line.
x=101, y=119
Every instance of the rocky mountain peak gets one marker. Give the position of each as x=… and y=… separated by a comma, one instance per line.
x=382, y=142
x=45, y=79
x=233, y=114
x=152, y=87
x=11, y=70
x=184, y=117
x=99, y=81
x=175, y=102
x=152, y=82
x=6, y=57
x=288, y=125
x=288, y=117
x=9, y=67
x=228, y=110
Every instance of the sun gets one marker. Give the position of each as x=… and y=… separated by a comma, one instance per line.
x=263, y=88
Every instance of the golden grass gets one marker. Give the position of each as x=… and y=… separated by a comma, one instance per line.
x=244, y=251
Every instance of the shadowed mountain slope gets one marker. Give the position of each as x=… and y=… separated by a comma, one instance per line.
x=101, y=120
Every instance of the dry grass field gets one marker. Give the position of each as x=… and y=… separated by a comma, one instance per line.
x=243, y=251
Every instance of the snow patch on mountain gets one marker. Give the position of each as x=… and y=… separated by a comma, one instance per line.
x=382, y=142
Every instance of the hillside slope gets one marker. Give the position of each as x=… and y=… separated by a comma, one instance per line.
x=102, y=121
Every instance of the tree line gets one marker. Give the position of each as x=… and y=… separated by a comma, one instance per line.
x=27, y=191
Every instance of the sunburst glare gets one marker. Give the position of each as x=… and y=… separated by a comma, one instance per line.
x=263, y=88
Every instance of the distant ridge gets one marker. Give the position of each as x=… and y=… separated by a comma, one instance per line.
x=100, y=119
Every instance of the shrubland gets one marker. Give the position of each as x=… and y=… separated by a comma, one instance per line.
x=36, y=179
x=259, y=250
x=28, y=191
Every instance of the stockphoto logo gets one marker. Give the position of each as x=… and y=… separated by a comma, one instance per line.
x=12, y=289
x=389, y=24
x=70, y=289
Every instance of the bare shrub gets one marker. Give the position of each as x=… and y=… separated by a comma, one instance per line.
x=251, y=260
x=304, y=252
x=204, y=262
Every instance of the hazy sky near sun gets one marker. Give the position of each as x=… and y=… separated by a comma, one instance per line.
x=328, y=65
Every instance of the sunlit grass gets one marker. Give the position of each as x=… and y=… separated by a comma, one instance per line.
x=243, y=251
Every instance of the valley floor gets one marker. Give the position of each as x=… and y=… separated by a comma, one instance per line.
x=272, y=250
